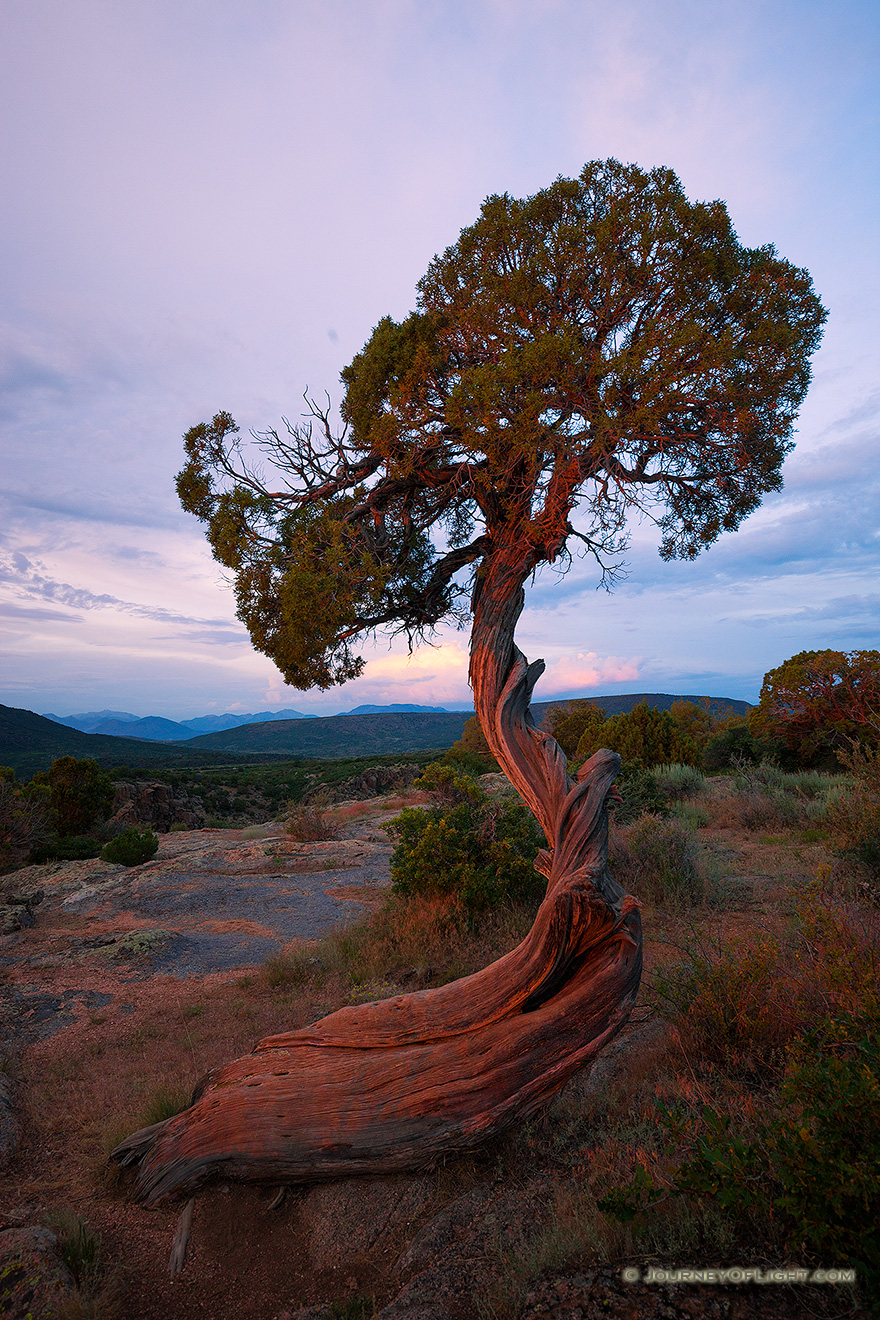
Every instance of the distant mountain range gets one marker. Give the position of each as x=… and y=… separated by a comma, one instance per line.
x=155, y=728
x=30, y=742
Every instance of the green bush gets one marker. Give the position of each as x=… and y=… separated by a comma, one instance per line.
x=656, y=859
x=639, y=794
x=570, y=722
x=131, y=847
x=470, y=847
x=732, y=745
x=676, y=782
x=24, y=824
x=771, y=798
x=643, y=737
x=79, y=794
x=811, y=1166
x=853, y=808
x=72, y=848
x=472, y=753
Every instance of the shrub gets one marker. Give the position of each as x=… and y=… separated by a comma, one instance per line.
x=811, y=1166
x=131, y=848
x=290, y=969
x=73, y=848
x=734, y=744
x=656, y=859
x=732, y=1005
x=675, y=782
x=569, y=723
x=639, y=795
x=644, y=737
x=307, y=822
x=794, y=1157
x=80, y=794
x=472, y=752
x=412, y=940
x=450, y=784
x=471, y=847
x=853, y=808
x=770, y=798
x=739, y=1004
x=24, y=825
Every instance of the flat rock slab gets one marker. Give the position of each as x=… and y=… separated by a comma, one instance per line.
x=209, y=921
x=210, y=901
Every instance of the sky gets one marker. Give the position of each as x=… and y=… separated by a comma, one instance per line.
x=208, y=205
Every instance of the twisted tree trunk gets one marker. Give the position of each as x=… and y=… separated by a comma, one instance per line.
x=393, y=1085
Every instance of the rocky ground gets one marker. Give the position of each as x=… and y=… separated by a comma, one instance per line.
x=107, y=971
x=211, y=901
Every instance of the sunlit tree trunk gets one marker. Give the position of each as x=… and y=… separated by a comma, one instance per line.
x=393, y=1085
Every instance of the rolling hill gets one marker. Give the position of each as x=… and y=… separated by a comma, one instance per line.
x=30, y=742
x=334, y=736
x=367, y=735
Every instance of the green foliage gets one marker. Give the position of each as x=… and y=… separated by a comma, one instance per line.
x=697, y=721
x=730, y=746
x=24, y=824
x=71, y=848
x=853, y=809
x=540, y=374
x=571, y=722
x=472, y=753
x=640, y=795
x=657, y=860
x=450, y=784
x=676, y=782
x=818, y=700
x=131, y=847
x=643, y=737
x=785, y=1032
x=769, y=797
x=468, y=847
x=813, y=1166
x=79, y=794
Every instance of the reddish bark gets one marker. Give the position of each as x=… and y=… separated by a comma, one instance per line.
x=394, y=1085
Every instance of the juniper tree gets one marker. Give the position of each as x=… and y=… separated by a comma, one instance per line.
x=603, y=347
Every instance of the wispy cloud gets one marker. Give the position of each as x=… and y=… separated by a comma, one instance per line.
x=30, y=582
x=175, y=247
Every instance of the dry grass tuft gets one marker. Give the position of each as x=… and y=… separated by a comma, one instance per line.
x=309, y=822
x=429, y=939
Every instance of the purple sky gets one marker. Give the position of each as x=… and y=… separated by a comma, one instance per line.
x=210, y=204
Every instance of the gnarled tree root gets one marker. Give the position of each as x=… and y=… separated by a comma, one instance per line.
x=305, y=1112
x=394, y=1085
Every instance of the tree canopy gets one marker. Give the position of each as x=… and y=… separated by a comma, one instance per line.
x=818, y=700
x=601, y=347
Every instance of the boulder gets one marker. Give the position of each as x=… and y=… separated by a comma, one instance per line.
x=33, y=1278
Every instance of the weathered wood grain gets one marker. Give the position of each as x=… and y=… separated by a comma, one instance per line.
x=396, y=1084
